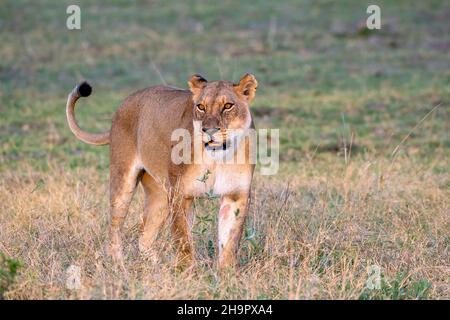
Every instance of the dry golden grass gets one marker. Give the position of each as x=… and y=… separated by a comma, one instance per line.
x=311, y=234
x=314, y=228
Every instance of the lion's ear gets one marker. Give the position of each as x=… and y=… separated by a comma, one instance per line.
x=197, y=83
x=247, y=87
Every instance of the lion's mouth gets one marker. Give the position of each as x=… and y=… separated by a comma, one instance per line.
x=215, y=146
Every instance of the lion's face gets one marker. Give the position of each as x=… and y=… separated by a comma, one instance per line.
x=222, y=108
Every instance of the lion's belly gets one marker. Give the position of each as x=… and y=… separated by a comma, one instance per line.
x=210, y=180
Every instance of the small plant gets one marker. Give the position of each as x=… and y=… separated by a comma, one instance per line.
x=399, y=288
x=205, y=177
x=211, y=196
x=251, y=246
x=8, y=272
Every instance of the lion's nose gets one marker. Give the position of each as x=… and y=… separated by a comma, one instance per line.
x=210, y=131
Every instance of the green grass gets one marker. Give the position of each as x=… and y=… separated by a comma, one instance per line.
x=323, y=81
x=310, y=75
x=9, y=268
x=399, y=288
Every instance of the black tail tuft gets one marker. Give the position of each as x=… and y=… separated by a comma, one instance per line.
x=84, y=89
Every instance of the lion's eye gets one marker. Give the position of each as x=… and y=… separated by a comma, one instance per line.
x=201, y=107
x=228, y=106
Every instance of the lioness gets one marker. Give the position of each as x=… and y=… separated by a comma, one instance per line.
x=141, y=147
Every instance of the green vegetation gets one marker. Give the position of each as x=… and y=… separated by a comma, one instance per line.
x=8, y=273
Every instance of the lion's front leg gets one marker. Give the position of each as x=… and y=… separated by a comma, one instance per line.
x=232, y=214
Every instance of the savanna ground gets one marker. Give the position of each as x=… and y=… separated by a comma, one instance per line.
x=364, y=174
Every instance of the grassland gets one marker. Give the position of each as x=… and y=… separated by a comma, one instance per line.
x=364, y=177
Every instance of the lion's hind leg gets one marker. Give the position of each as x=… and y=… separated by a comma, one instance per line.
x=156, y=211
x=124, y=177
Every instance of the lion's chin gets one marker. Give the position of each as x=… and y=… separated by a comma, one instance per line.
x=215, y=146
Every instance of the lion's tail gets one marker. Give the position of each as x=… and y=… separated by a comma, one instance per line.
x=98, y=139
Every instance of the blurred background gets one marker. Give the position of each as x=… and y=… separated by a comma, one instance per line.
x=324, y=78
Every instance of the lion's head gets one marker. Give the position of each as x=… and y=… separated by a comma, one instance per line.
x=221, y=107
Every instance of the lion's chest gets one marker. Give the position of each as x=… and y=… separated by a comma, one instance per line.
x=215, y=180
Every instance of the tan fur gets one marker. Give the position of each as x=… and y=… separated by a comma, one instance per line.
x=140, y=151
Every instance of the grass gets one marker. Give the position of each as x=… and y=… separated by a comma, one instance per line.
x=8, y=272
x=344, y=101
